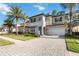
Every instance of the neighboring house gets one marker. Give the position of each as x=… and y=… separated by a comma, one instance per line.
x=6, y=30
x=42, y=24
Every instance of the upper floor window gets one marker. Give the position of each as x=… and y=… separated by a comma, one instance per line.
x=39, y=18
x=58, y=19
x=34, y=20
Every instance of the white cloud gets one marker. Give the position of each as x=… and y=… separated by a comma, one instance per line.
x=39, y=7
x=4, y=8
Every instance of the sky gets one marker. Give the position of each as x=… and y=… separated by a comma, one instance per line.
x=30, y=9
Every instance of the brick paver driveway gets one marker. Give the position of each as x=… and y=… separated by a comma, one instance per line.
x=36, y=47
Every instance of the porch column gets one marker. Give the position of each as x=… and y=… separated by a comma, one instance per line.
x=42, y=29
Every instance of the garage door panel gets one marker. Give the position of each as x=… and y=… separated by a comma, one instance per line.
x=56, y=31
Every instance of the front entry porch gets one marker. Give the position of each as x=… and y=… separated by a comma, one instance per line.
x=40, y=30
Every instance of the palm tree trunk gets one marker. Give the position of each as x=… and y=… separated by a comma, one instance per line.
x=24, y=29
x=16, y=25
x=70, y=22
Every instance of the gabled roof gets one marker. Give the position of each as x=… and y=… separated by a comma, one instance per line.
x=37, y=15
x=51, y=15
x=45, y=15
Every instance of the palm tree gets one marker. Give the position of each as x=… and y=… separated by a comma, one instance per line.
x=8, y=23
x=61, y=13
x=15, y=13
x=54, y=12
x=24, y=22
x=70, y=7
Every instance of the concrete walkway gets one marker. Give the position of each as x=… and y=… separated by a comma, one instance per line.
x=10, y=39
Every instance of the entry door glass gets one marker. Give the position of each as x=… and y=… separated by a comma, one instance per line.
x=40, y=30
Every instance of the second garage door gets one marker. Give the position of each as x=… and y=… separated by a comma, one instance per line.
x=56, y=30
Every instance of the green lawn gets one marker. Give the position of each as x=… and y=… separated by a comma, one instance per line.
x=5, y=42
x=72, y=44
x=20, y=36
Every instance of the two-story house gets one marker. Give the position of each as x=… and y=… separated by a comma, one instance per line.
x=46, y=25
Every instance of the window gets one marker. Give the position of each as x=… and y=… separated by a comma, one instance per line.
x=34, y=20
x=39, y=18
x=58, y=19
x=31, y=29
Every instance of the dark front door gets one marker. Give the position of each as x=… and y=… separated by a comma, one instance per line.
x=40, y=30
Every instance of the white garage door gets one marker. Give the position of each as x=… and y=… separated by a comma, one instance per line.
x=56, y=31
